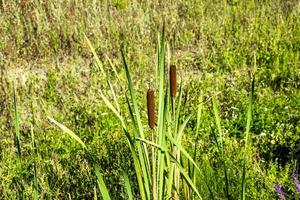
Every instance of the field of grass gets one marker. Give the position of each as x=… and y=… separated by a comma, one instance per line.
x=77, y=78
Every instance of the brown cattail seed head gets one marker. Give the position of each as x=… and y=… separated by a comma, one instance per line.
x=173, y=80
x=151, y=108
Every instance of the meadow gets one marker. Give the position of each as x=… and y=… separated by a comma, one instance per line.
x=135, y=99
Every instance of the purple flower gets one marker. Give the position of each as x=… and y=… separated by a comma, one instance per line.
x=296, y=183
x=279, y=190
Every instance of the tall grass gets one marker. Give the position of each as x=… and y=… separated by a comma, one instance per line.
x=16, y=120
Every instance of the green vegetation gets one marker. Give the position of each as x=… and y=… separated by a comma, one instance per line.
x=73, y=99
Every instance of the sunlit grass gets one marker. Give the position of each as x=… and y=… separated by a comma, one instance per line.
x=88, y=66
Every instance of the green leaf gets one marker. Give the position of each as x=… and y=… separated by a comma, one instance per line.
x=186, y=176
x=35, y=175
x=101, y=184
x=16, y=123
x=248, y=126
x=182, y=150
x=181, y=128
x=142, y=150
x=112, y=108
x=68, y=131
x=218, y=122
x=98, y=62
x=127, y=186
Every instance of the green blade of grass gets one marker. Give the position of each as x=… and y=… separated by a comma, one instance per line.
x=113, y=67
x=95, y=194
x=114, y=96
x=16, y=123
x=35, y=175
x=199, y=112
x=248, y=126
x=218, y=122
x=137, y=166
x=181, y=128
x=186, y=176
x=127, y=186
x=220, y=144
x=153, y=144
x=182, y=150
x=161, y=115
x=101, y=184
x=113, y=109
x=133, y=97
x=142, y=150
x=68, y=131
x=177, y=114
x=98, y=62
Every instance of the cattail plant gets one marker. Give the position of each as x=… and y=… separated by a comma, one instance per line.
x=151, y=108
x=164, y=176
x=173, y=80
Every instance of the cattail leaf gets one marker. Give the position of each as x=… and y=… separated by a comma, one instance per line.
x=161, y=113
x=142, y=151
x=68, y=131
x=127, y=186
x=181, y=128
x=113, y=67
x=113, y=109
x=163, y=149
x=182, y=150
x=114, y=96
x=186, y=176
x=101, y=184
x=98, y=62
x=137, y=167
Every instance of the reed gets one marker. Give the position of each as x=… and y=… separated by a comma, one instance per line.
x=165, y=176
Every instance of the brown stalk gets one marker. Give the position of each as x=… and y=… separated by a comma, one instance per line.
x=173, y=80
x=151, y=108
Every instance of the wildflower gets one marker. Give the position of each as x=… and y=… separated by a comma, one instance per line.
x=296, y=183
x=279, y=190
x=173, y=80
x=151, y=108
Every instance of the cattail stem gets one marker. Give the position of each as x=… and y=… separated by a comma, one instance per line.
x=173, y=80
x=151, y=108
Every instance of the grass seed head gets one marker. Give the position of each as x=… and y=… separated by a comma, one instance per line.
x=151, y=108
x=173, y=80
